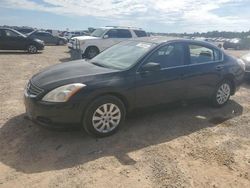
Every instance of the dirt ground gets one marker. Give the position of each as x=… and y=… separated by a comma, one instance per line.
x=190, y=145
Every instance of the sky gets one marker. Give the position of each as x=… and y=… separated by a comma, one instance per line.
x=167, y=16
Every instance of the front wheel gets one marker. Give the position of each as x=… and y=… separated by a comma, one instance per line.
x=104, y=116
x=222, y=94
x=32, y=49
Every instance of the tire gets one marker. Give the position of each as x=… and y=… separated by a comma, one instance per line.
x=100, y=122
x=222, y=93
x=91, y=52
x=32, y=49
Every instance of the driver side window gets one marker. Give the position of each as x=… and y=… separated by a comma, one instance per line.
x=10, y=33
x=112, y=33
x=171, y=55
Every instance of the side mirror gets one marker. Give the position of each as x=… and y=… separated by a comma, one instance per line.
x=151, y=66
x=105, y=36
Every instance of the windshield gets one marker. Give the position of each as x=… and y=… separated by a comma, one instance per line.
x=122, y=55
x=20, y=34
x=98, y=32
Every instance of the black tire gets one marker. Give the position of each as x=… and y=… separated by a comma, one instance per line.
x=32, y=49
x=91, y=52
x=92, y=112
x=216, y=102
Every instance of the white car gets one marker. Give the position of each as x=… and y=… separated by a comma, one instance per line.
x=103, y=38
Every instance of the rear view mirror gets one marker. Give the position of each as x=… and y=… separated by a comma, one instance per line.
x=151, y=66
x=105, y=36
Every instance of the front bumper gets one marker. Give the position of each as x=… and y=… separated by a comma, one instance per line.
x=51, y=114
x=40, y=47
x=247, y=75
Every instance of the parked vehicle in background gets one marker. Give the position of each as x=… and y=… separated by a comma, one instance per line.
x=246, y=59
x=48, y=38
x=218, y=44
x=24, y=30
x=98, y=93
x=237, y=44
x=13, y=40
x=103, y=38
x=53, y=32
x=71, y=34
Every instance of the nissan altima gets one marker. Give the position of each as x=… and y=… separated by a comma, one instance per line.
x=98, y=93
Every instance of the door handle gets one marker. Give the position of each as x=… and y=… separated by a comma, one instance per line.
x=219, y=67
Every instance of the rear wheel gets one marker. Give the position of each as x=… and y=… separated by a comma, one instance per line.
x=32, y=49
x=104, y=116
x=222, y=93
x=91, y=52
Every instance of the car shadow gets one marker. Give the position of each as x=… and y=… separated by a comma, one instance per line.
x=30, y=148
x=65, y=59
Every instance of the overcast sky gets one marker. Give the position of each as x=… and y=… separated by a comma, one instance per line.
x=152, y=15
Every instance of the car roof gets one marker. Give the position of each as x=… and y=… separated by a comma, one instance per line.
x=161, y=40
x=121, y=27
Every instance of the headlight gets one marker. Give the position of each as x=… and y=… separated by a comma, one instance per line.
x=63, y=93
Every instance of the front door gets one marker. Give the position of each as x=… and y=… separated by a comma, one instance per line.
x=13, y=41
x=166, y=84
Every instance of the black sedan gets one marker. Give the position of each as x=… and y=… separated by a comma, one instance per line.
x=246, y=59
x=48, y=38
x=98, y=93
x=13, y=40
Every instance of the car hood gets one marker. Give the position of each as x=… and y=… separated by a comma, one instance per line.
x=84, y=37
x=79, y=71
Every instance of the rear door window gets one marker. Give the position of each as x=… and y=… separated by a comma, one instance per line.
x=123, y=33
x=201, y=54
x=140, y=33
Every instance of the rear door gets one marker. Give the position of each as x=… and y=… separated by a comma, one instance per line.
x=165, y=85
x=205, y=70
x=50, y=39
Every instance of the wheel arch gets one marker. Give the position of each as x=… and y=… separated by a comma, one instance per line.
x=115, y=94
x=230, y=78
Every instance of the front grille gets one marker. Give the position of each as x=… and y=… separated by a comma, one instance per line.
x=33, y=90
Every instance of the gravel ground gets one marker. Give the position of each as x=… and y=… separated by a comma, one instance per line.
x=191, y=145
